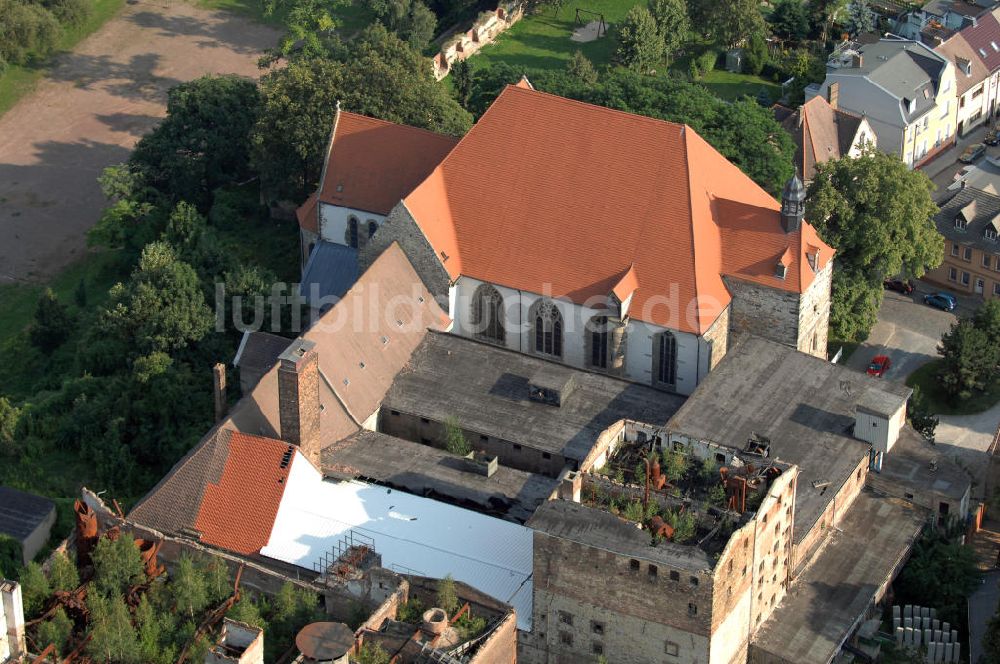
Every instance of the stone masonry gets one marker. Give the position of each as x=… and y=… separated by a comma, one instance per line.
x=298, y=398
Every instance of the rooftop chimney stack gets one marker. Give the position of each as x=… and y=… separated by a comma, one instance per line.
x=793, y=204
x=298, y=397
x=219, y=390
x=833, y=95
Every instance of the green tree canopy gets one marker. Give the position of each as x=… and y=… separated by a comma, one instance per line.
x=376, y=75
x=859, y=18
x=640, y=44
x=971, y=352
x=52, y=324
x=117, y=565
x=580, y=69
x=879, y=216
x=790, y=19
x=672, y=23
x=203, y=143
x=113, y=638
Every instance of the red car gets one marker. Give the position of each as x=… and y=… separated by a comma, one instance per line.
x=904, y=286
x=879, y=365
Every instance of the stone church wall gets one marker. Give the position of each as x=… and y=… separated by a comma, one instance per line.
x=765, y=312
x=814, y=314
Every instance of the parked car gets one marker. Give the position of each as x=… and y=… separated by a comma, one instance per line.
x=879, y=365
x=972, y=153
x=992, y=138
x=904, y=286
x=943, y=301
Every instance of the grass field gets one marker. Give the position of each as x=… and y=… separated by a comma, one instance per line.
x=18, y=80
x=940, y=404
x=541, y=40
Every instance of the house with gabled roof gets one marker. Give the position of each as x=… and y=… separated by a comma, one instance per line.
x=822, y=131
x=970, y=224
x=971, y=82
x=601, y=239
x=904, y=88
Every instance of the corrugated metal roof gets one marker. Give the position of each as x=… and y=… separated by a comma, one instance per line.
x=331, y=270
x=428, y=537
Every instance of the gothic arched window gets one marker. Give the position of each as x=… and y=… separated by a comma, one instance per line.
x=488, y=314
x=548, y=328
x=352, y=232
x=665, y=359
x=597, y=342
x=372, y=227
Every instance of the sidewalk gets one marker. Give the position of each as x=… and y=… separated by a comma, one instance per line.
x=947, y=159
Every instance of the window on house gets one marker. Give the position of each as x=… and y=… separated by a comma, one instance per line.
x=965, y=278
x=692, y=609
x=517, y=448
x=597, y=648
x=653, y=572
x=671, y=649
x=488, y=314
x=596, y=627
x=352, y=232
x=996, y=287
x=566, y=638
x=780, y=270
x=665, y=359
x=483, y=438
x=908, y=496
x=633, y=565
x=566, y=618
x=954, y=249
x=986, y=259
x=694, y=581
x=597, y=329
x=424, y=420
x=394, y=413
x=968, y=254
x=991, y=235
x=675, y=575
x=952, y=274
x=546, y=455
x=548, y=325
x=961, y=223
x=372, y=227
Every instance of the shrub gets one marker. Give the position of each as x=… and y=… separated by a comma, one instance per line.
x=52, y=324
x=56, y=631
x=455, y=440
x=447, y=596
x=706, y=61
x=70, y=12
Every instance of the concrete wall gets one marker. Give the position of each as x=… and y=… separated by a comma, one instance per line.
x=36, y=541
x=693, y=355
x=401, y=227
x=814, y=313
x=333, y=223
x=515, y=454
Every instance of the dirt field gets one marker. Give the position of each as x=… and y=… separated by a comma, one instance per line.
x=89, y=112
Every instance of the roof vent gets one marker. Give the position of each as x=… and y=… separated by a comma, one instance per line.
x=551, y=385
x=286, y=458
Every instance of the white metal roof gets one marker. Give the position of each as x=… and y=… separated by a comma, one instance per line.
x=412, y=533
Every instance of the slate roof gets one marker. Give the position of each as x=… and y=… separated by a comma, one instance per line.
x=21, y=513
x=984, y=210
x=552, y=195
x=259, y=351
x=330, y=271
x=225, y=492
x=804, y=404
x=981, y=38
x=486, y=388
x=820, y=132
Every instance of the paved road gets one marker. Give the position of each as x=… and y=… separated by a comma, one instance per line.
x=89, y=112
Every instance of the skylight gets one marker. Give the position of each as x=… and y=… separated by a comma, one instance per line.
x=982, y=53
x=996, y=49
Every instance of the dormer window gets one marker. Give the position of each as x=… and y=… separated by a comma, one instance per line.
x=961, y=223
x=991, y=234
x=780, y=270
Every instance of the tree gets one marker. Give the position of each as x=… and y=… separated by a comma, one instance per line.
x=187, y=585
x=372, y=653
x=748, y=136
x=185, y=229
x=447, y=595
x=162, y=307
x=734, y=22
x=461, y=74
x=63, y=574
x=755, y=56
x=987, y=319
x=941, y=572
x=581, y=69
x=52, y=323
x=921, y=417
x=113, y=639
x=10, y=415
x=310, y=25
x=57, y=631
x=29, y=31
x=969, y=360
x=117, y=565
x=203, y=143
x=672, y=22
x=455, y=440
x=789, y=19
x=35, y=588
x=377, y=75
x=879, y=216
x=640, y=45
x=805, y=68
x=823, y=14
x=860, y=19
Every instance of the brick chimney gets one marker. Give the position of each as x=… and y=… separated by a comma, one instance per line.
x=298, y=397
x=219, y=390
x=833, y=94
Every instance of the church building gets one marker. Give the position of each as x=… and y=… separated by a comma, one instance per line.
x=588, y=236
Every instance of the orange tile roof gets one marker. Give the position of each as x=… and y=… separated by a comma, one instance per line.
x=373, y=164
x=547, y=194
x=237, y=512
x=227, y=488
x=307, y=216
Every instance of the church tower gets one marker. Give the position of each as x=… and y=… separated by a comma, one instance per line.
x=793, y=204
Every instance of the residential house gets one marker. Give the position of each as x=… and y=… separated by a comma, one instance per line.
x=904, y=89
x=822, y=132
x=937, y=20
x=971, y=82
x=984, y=39
x=970, y=224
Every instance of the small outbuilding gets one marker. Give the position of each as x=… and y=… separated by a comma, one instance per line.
x=26, y=518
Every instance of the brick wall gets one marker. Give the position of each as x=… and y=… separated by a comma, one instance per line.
x=401, y=227
x=814, y=313
x=718, y=336
x=501, y=646
x=510, y=453
x=762, y=311
x=834, y=512
x=772, y=547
